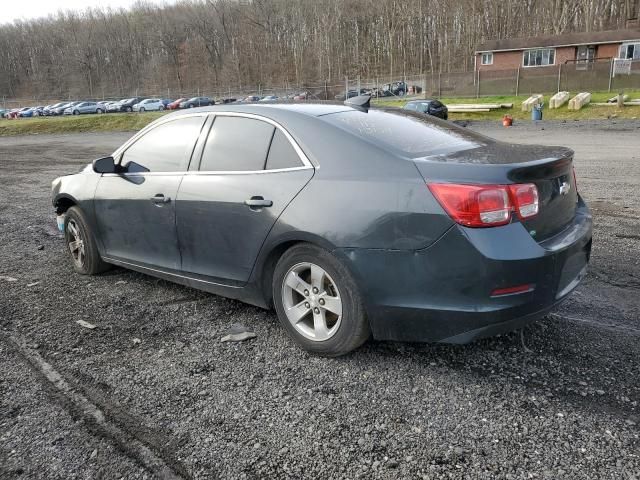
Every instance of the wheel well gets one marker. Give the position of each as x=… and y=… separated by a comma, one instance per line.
x=269, y=266
x=63, y=204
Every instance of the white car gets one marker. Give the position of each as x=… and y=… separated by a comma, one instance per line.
x=149, y=105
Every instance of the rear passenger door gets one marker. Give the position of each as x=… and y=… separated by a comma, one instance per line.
x=249, y=171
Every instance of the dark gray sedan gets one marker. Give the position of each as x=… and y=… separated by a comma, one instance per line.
x=351, y=222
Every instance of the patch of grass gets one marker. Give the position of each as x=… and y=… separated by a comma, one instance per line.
x=590, y=112
x=110, y=122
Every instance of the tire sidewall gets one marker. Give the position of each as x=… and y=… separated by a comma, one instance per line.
x=92, y=263
x=354, y=327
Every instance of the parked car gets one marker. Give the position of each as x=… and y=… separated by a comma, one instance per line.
x=269, y=98
x=429, y=107
x=149, y=105
x=175, y=105
x=3, y=111
x=125, y=105
x=352, y=93
x=60, y=110
x=398, y=89
x=166, y=102
x=228, y=100
x=15, y=112
x=252, y=98
x=196, y=102
x=31, y=112
x=465, y=236
x=49, y=109
x=84, y=107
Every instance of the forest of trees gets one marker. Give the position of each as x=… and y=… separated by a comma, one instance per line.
x=216, y=44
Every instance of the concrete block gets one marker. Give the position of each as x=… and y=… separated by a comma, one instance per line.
x=579, y=101
x=528, y=104
x=559, y=99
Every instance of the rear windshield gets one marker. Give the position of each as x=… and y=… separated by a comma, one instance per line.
x=405, y=133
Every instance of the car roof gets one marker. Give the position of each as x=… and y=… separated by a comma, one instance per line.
x=310, y=109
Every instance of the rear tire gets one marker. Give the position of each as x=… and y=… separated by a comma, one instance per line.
x=81, y=244
x=160, y=108
x=318, y=301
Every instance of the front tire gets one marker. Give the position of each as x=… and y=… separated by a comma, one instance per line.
x=161, y=108
x=318, y=301
x=81, y=244
x=76, y=112
x=128, y=109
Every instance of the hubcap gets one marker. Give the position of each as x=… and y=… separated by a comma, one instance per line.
x=76, y=243
x=312, y=301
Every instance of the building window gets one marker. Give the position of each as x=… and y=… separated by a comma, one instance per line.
x=630, y=51
x=487, y=59
x=539, y=57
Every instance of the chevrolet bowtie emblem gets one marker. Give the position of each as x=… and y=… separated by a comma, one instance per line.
x=564, y=188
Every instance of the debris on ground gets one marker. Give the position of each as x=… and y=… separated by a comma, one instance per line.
x=8, y=279
x=238, y=333
x=85, y=324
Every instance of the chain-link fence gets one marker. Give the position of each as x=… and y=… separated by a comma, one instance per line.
x=593, y=76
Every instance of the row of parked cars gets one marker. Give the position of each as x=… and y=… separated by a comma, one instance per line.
x=143, y=104
x=393, y=89
x=134, y=104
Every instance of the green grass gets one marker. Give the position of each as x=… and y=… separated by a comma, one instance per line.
x=589, y=112
x=78, y=123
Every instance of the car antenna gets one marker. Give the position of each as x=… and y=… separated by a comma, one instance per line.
x=362, y=102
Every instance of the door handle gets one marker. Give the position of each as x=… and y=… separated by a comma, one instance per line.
x=160, y=198
x=258, y=202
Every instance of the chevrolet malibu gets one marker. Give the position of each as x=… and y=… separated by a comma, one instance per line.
x=352, y=222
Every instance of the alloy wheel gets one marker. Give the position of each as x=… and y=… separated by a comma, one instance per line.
x=311, y=301
x=76, y=243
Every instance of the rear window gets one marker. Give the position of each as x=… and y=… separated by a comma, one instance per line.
x=405, y=133
x=282, y=153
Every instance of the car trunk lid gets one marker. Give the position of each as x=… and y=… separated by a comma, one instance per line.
x=549, y=168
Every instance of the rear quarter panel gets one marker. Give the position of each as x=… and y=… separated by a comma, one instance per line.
x=360, y=195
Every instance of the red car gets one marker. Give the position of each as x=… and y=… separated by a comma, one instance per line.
x=175, y=105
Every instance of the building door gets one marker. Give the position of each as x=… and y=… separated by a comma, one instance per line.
x=585, y=55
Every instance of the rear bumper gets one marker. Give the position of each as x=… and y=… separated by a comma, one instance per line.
x=443, y=293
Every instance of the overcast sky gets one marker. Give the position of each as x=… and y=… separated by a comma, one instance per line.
x=11, y=10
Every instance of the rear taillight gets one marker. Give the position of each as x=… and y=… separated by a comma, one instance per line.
x=486, y=205
x=474, y=205
x=525, y=199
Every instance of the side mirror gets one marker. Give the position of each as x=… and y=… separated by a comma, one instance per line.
x=104, y=165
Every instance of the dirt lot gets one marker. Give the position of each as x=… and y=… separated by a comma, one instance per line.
x=152, y=392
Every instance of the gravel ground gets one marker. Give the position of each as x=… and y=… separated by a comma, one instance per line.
x=172, y=401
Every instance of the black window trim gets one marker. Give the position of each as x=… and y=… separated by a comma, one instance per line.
x=306, y=163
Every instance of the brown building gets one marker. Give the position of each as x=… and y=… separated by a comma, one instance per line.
x=570, y=48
